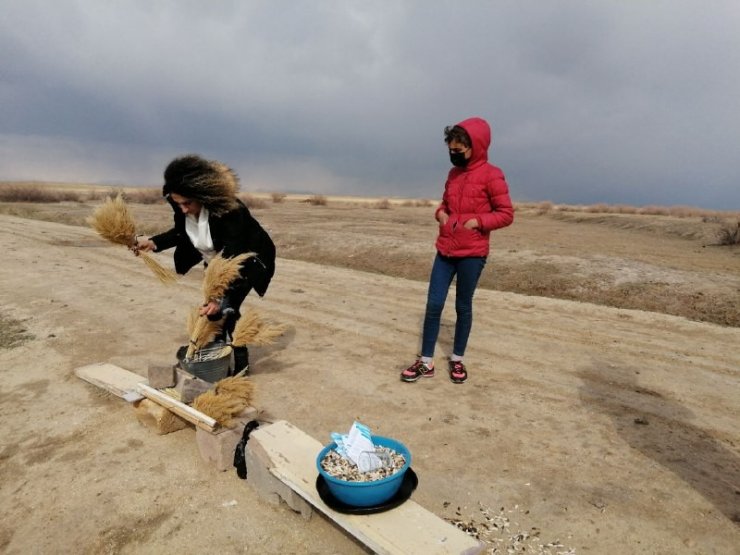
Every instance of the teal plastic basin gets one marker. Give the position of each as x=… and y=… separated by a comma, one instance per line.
x=366, y=494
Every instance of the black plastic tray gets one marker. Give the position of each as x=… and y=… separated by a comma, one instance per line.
x=408, y=485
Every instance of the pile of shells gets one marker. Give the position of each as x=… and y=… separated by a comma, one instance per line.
x=495, y=529
x=338, y=467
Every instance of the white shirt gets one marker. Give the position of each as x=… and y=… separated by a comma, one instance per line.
x=200, y=233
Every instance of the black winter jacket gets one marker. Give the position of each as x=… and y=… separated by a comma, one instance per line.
x=233, y=233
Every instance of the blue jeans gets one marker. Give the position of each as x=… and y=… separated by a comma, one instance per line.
x=468, y=271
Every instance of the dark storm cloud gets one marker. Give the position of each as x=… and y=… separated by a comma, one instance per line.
x=621, y=102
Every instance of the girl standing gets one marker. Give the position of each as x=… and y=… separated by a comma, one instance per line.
x=475, y=202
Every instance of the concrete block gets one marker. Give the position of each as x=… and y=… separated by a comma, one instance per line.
x=260, y=477
x=267, y=486
x=189, y=386
x=161, y=376
x=192, y=388
x=217, y=448
x=157, y=418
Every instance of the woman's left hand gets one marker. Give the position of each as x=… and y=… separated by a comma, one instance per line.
x=471, y=223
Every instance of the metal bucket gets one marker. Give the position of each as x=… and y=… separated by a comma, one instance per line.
x=211, y=363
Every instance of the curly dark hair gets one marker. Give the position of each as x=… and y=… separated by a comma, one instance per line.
x=209, y=182
x=457, y=133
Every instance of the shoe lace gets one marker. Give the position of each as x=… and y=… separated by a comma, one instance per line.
x=419, y=367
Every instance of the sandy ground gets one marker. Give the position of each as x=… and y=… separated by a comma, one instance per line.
x=608, y=430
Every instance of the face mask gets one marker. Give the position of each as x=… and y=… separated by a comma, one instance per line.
x=458, y=159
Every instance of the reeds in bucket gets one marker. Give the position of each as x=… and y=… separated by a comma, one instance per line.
x=219, y=275
x=201, y=331
x=113, y=221
x=211, y=363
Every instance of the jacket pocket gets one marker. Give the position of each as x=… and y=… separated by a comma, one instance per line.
x=445, y=229
x=467, y=238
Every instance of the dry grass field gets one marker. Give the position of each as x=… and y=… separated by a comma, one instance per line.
x=600, y=415
x=657, y=259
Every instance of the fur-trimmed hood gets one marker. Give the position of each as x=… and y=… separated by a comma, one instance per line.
x=209, y=182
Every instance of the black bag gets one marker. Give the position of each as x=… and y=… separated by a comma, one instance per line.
x=240, y=460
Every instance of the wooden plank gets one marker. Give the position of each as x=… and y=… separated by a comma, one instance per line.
x=405, y=530
x=181, y=409
x=110, y=377
x=122, y=382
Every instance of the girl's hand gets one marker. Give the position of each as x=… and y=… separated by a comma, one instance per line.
x=442, y=217
x=472, y=223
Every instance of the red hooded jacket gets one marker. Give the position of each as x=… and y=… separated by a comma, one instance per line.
x=478, y=190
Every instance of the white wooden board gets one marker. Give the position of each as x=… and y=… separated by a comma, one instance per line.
x=110, y=377
x=180, y=409
x=406, y=530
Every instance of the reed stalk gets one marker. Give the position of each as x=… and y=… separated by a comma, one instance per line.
x=201, y=331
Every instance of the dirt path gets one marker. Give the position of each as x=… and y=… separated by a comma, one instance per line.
x=612, y=431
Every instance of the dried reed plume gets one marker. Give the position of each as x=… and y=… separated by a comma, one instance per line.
x=239, y=387
x=251, y=329
x=222, y=407
x=113, y=221
x=221, y=272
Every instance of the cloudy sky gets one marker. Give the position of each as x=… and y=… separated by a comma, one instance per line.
x=633, y=101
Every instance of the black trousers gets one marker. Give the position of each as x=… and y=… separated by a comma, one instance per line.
x=230, y=306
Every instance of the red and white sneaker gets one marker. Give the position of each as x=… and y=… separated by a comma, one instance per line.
x=458, y=374
x=417, y=370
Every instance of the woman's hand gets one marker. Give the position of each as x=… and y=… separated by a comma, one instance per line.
x=144, y=244
x=211, y=308
x=472, y=223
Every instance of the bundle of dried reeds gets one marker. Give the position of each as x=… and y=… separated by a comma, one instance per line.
x=228, y=399
x=252, y=329
x=221, y=272
x=219, y=275
x=201, y=331
x=113, y=221
x=239, y=387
